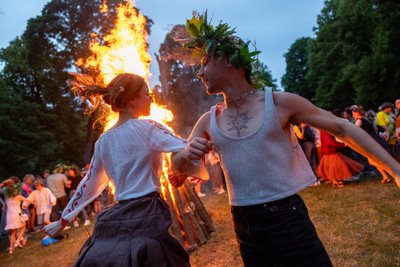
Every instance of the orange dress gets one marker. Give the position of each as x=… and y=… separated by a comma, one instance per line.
x=334, y=165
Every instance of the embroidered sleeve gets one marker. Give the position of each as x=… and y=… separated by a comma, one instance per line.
x=88, y=189
x=161, y=139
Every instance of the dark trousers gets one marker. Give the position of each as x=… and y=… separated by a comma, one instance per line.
x=278, y=233
x=61, y=203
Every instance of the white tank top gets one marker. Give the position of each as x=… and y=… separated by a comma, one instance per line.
x=263, y=166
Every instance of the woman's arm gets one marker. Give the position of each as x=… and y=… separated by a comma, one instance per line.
x=188, y=160
x=21, y=198
x=88, y=189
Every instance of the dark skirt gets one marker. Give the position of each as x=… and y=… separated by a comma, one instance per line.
x=134, y=233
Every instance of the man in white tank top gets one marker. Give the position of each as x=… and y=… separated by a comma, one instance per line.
x=272, y=227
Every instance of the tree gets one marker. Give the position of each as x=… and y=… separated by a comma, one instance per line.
x=36, y=67
x=355, y=55
x=338, y=46
x=377, y=76
x=294, y=80
x=26, y=138
x=261, y=71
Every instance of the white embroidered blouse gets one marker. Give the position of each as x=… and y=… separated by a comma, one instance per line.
x=130, y=156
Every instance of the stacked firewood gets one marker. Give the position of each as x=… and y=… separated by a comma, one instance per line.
x=191, y=223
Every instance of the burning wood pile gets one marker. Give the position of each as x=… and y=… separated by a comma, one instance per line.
x=124, y=50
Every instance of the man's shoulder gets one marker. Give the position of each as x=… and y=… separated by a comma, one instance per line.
x=56, y=176
x=285, y=101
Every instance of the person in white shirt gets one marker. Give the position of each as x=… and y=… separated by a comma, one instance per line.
x=43, y=200
x=130, y=156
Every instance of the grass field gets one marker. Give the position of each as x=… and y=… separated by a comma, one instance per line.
x=359, y=226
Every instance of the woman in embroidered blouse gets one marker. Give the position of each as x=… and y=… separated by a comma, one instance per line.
x=135, y=230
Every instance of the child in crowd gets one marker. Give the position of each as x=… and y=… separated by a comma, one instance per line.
x=15, y=219
x=43, y=200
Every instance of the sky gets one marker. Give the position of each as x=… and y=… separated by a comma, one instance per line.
x=273, y=25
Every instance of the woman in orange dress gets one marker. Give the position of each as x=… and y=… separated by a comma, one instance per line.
x=335, y=166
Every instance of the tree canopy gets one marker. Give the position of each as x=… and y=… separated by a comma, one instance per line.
x=46, y=125
x=294, y=80
x=354, y=57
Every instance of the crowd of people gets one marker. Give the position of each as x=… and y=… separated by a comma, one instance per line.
x=334, y=162
x=38, y=200
x=250, y=131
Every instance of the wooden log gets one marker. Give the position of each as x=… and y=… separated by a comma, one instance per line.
x=199, y=207
x=197, y=217
x=201, y=238
x=185, y=219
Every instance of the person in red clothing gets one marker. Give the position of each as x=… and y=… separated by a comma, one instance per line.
x=335, y=166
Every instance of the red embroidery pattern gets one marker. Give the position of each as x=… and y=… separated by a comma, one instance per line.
x=78, y=194
x=166, y=131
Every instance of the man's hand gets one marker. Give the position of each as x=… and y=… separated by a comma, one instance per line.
x=53, y=229
x=197, y=148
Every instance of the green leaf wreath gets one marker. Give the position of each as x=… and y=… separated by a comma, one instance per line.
x=221, y=41
x=12, y=190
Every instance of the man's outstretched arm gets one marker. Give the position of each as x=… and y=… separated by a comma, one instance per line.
x=301, y=110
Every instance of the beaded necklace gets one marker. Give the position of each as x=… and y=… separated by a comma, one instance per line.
x=250, y=92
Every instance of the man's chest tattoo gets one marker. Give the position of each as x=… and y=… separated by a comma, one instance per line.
x=239, y=122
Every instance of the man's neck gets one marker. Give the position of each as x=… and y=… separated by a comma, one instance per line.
x=237, y=92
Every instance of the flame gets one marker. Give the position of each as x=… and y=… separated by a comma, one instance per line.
x=124, y=50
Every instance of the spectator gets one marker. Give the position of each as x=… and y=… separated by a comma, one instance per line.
x=306, y=136
x=46, y=174
x=75, y=179
x=397, y=111
x=385, y=123
x=27, y=189
x=215, y=171
x=335, y=166
x=11, y=180
x=57, y=183
x=366, y=125
x=397, y=132
x=43, y=200
x=346, y=114
x=15, y=218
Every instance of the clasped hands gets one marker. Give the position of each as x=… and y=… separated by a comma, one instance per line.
x=195, y=150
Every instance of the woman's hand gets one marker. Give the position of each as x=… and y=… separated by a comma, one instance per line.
x=177, y=179
x=54, y=228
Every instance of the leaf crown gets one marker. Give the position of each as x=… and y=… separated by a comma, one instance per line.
x=12, y=190
x=220, y=41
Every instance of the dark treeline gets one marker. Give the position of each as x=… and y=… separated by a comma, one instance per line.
x=354, y=58
x=41, y=122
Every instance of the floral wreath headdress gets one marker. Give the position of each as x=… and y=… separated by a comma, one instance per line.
x=220, y=40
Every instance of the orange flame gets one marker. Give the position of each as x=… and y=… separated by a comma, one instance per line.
x=124, y=50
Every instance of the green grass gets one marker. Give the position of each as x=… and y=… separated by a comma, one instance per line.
x=359, y=226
